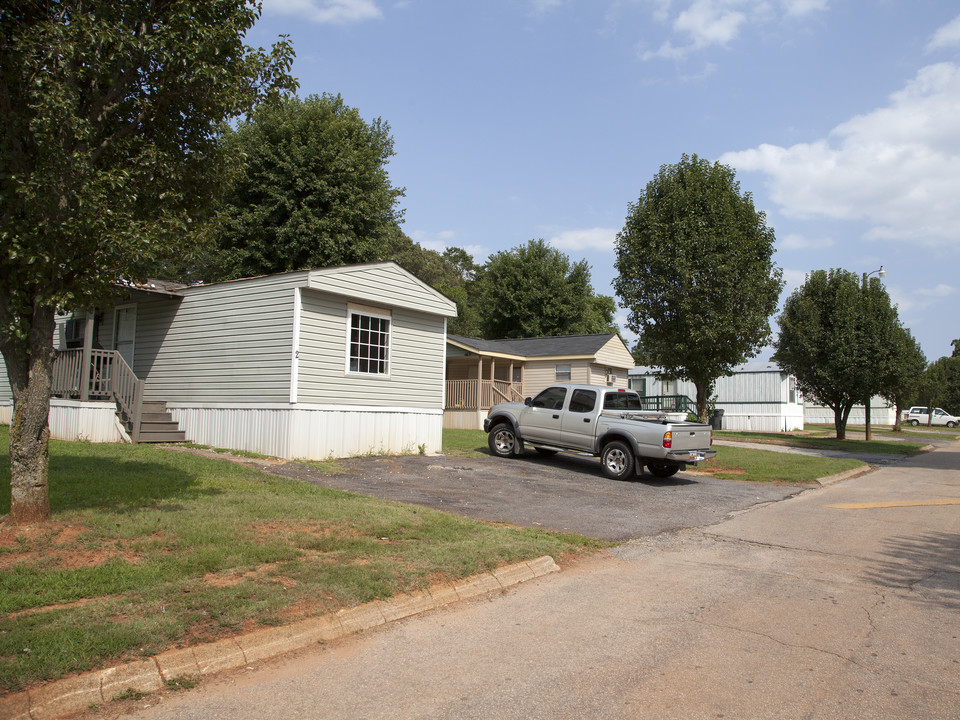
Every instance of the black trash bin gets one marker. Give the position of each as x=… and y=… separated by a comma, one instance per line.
x=716, y=420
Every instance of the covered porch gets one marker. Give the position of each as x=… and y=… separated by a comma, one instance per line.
x=476, y=383
x=90, y=374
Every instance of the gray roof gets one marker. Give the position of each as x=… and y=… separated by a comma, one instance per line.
x=539, y=346
x=757, y=366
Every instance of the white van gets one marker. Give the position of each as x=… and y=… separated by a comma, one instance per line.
x=918, y=416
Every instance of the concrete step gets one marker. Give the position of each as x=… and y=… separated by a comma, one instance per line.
x=151, y=436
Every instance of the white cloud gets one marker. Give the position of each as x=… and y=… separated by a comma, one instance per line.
x=796, y=8
x=588, y=239
x=795, y=241
x=940, y=291
x=914, y=303
x=334, y=12
x=702, y=24
x=897, y=167
x=946, y=36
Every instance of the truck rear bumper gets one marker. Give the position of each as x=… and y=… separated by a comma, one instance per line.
x=691, y=456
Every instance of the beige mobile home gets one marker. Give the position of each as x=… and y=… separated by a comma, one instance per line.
x=482, y=373
x=310, y=364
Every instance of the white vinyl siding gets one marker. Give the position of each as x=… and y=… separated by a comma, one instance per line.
x=416, y=354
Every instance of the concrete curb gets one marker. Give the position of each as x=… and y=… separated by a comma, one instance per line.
x=845, y=475
x=53, y=700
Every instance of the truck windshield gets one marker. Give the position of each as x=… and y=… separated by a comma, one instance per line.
x=621, y=401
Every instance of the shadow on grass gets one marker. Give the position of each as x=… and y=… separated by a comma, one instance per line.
x=118, y=484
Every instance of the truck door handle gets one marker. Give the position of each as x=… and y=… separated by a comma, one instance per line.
x=586, y=420
x=556, y=417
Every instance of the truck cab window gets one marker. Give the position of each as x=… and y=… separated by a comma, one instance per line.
x=551, y=398
x=583, y=401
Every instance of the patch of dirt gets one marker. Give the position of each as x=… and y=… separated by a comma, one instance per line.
x=235, y=578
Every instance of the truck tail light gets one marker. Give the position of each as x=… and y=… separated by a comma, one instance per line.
x=668, y=439
x=711, y=438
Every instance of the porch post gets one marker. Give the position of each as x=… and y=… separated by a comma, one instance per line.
x=85, y=356
x=479, y=381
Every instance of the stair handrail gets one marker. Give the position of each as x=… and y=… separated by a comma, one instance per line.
x=127, y=390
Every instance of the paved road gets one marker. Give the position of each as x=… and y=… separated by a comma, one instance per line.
x=565, y=492
x=842, y=602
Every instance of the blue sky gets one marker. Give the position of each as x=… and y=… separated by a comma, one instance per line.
x=526, y=119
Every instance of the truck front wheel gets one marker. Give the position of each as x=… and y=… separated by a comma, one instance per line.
x=662, y=470
x=502, y=441
x=617, y=460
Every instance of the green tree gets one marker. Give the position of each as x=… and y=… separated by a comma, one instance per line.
x=906, y=372
x=111, y=155
x=696, y=273
x=840, y=338
x=941, y=385
x=534, y=291
x=314, y=190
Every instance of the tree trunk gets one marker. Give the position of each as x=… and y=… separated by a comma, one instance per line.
x=30, y=370
x=841, y=413
x=703, y=396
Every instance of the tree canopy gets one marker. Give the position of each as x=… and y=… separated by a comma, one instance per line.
x=112, y=115
x=313, y=191
x=534, y=290
x=841, y=337
x=696, y=273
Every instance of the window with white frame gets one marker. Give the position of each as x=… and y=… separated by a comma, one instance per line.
x=369, y=344
x=563, y=373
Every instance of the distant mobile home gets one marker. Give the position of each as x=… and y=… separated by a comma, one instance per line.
x=758, y=396
x=311, y=364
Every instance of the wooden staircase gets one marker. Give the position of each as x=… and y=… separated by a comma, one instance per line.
x=157, y=425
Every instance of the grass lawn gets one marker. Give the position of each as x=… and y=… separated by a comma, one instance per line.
x=149, y=548
x=880, y=444
x=736, y=463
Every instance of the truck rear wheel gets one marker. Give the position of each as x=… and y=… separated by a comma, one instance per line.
x=502, y=441
x=914, y=422
x=617, y=460
x=662, y=470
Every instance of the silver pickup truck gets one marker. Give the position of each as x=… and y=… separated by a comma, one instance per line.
x=602, y=421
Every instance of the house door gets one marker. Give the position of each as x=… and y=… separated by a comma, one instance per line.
x=124, y=332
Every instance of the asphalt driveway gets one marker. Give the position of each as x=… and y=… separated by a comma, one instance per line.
x=564, y=492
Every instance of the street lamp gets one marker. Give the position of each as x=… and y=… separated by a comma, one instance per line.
x=881, y=273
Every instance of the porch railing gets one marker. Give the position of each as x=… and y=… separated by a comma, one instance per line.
x=106, y=377
x=669, y=403
x=480, y=394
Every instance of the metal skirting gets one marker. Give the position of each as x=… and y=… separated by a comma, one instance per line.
x=311, y=433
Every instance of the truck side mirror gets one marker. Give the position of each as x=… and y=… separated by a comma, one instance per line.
x=528, y=401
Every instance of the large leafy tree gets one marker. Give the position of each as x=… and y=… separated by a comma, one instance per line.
x=110, y=155
x=696, y=273
x=905, y=372
x=841, y=337
x=314, y=190
x=534, y=290
x=940, y=386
